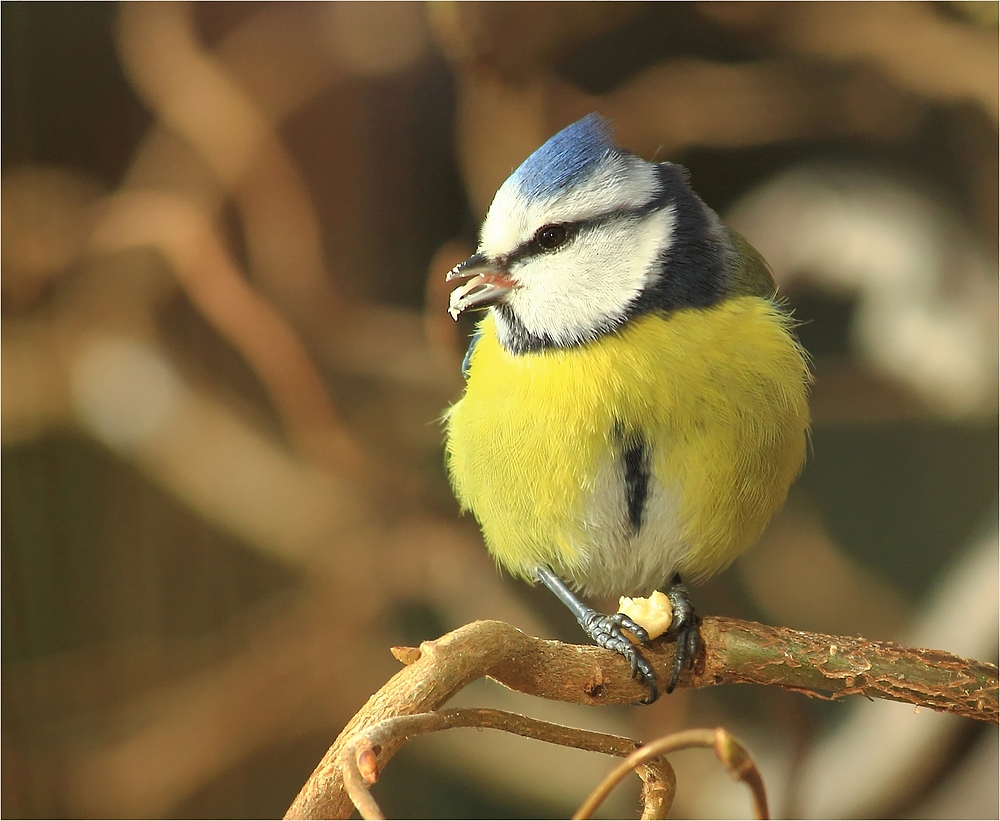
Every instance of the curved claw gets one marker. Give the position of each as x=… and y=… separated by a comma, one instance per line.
x=684, y=628
x=607, y=631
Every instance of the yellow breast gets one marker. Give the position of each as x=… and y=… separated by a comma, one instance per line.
x=719, y=397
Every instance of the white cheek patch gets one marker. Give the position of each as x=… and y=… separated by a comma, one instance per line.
x=571, y=294
x=622, y=183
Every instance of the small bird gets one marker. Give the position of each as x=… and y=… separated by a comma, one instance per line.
x=635, y=406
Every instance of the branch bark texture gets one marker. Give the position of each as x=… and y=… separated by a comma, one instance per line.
x=734, y=652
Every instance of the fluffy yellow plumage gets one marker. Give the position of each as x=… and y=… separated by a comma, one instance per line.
x=718, y=396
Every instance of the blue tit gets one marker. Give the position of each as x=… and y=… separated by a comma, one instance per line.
x=635, y=406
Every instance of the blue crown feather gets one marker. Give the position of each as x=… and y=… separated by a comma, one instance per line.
x=566, y=158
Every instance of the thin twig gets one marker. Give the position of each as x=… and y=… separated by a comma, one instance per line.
x=729, y=751
x=358, y=759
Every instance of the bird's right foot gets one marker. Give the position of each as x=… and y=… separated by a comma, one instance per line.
x=607, y=631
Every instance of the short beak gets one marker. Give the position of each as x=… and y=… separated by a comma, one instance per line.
x=489, y=285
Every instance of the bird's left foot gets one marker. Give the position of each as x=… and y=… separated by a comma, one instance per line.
x=683, y=628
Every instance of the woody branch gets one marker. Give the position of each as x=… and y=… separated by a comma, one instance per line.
x=734, y=652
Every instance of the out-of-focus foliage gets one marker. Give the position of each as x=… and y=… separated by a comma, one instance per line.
x=226, y=353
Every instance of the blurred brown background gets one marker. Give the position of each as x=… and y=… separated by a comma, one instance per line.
x=226, y=354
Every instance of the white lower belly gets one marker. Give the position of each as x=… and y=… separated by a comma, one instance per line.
x=615, y=558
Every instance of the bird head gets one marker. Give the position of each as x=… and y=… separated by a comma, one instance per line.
x=579, y=239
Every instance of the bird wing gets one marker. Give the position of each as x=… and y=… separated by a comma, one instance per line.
x=467, y=359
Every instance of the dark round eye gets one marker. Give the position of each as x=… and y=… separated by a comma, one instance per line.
x=550, y=237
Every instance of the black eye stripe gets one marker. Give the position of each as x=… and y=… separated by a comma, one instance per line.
x=531, y=247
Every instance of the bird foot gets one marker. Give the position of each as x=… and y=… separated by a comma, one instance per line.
x=607, y=631
x=684, y=628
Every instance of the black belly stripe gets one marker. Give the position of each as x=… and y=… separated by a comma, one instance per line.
x=635, y=459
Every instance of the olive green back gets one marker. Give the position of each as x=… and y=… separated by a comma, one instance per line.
x=750, y=275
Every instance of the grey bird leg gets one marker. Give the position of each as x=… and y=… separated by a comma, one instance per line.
x=684, y=628
x=606, y=631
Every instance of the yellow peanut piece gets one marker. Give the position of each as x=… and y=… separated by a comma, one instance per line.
x=654, y=614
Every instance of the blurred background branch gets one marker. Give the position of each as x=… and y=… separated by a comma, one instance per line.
x=225, y=355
